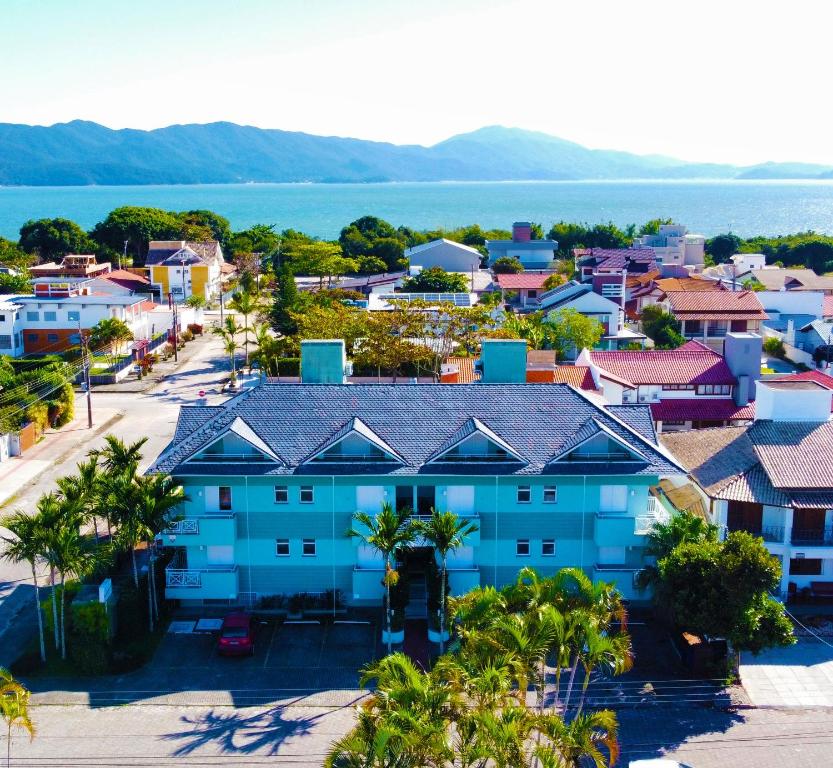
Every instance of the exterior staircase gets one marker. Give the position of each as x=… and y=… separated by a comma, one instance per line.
x=417, y=607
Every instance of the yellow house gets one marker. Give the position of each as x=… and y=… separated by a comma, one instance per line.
x=184, y=269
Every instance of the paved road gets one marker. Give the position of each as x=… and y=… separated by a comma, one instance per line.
x=130, y=416
x=298, y=732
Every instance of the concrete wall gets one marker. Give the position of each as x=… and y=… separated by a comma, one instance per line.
x=452, y=257
x=793, y=302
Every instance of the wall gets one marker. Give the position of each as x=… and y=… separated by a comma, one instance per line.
x=449, y=256
x=785, y=403
x=793, y=302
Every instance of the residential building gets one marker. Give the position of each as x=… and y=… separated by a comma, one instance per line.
x=691, y=387
x=674, y=245
x=383, y=302
x=446, y=254
x=709, y=315
x=608, y=265
x=274, y=475
x=72, y=265
x=50, y=324
x=11, y=335
x=793, y=279
x=533, y=254
x=773, y=478
x=524, y=287
x=183, y=269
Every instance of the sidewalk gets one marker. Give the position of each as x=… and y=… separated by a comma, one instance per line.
x=53, y=447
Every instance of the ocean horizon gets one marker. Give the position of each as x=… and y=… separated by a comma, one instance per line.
x=707, y=207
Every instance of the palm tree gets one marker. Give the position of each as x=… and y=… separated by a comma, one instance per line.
x=267, y=348
x=84, y=488
x=227, y=332
x=591, y=736
x=26, y=546
x=388, y=532
x=118, y=457
x=49, y=515
x=152, y=500
x=14, y=709
x=245, y=303
x=446, y=532
x=111, y=333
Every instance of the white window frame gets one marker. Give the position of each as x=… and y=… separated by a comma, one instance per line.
x=278, y=543
x=553, y=489
x=283, y=490
x=526, y=490
x=522, y=544
x=304, y=544
x=302, y=490
x=220, y=506
x=544, y=543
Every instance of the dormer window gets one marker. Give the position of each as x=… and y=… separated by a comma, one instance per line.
x=355, y=443
x=474, y=442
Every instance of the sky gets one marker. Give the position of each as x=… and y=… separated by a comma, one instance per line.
x=731, y=81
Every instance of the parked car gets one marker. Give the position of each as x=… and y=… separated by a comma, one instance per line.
x=236, y=635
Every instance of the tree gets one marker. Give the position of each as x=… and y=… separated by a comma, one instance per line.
x=662, y=327
x=322, y=259
x=553, y=281
x=218, y=227
x=775, y=347
x=386, y=344
x=436, y=280
x=536, y=231
x=260, y=238
x=507, y=265
x=13, y=256
x=25, y=546
x=722, y=247
x=333, y=321
x=195, y=301
x=652, y=227
x=227, y=333
x=388, y=532
x=722, y=588
x=54, y=238
x=14, y=709
x=245, y=303
x=284, y=301
x=138, y=226
x=569, y=331
x=14, y=283
x=446, y=532
x=110, y=332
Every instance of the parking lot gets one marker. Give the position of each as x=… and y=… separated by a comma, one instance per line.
x=289, y=657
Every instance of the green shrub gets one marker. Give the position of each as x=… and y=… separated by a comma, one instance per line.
x=774, y=347
x=89, y=640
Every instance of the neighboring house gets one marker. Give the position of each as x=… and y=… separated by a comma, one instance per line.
x=691, y=387
x=605, y=265
x=184, y=269
x=383, y=302
x=11, y=333
x=72, y=265
x=827, y=307
x=49, y=325
x=823, y=379
x=121, y=282
x=774, y=279
x=673, y=245
x=533, y=254
x=815, y=334
x=583, y=299
x=274, y=476
x=773, y=478
x=446, y=254
x=709, y=315
x=642, y=293
x=526, y=287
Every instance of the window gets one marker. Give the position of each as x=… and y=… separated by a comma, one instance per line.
x=308, y=548
x=550, y=494
x=73, y=316
x=306, y=495
x=613, y=498
x=522, y=547
x=224, y=492
x=74, y=338
x=805, y=566
x=714, y=389
x=532, y=294
x=33, y=337
x=524, y=495
x=50, y=316
x=612, y=555
x=2, y=318
x=548, y=547
x=33, y=316
x=674, y=387
x=52, y=337
x=281, y=494
x=282, y=547
x=5, y=342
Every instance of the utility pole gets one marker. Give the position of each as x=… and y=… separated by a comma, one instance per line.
x=221, y=305
x=124, y=254
x=85, y=360
x=175, y=327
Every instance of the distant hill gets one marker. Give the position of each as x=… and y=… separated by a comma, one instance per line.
x=80, y=153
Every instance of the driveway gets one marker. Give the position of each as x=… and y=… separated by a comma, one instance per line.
x=798, y=676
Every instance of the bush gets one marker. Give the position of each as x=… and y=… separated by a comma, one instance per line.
x=166, y=350
x=774, y=347
x=89, y=639
x=195, y=329
x=187, y=335
x=288, y=366
x=507, y=265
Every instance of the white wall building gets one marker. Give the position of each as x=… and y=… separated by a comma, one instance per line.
x=446, y=254
x=674, y=245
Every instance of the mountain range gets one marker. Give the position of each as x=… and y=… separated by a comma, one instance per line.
x=84, y=153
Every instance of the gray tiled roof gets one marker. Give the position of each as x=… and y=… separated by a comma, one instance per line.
x=415, y=420
x=638, y=416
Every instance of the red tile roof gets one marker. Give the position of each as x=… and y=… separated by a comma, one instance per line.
x=465, y=366
x=692, y=363
x=689, y=284
x=700, y=409
x=817, y=376
x=129, y=280
x=716, y=305
x=578, y=376
x=827, y=311
x=523, y=280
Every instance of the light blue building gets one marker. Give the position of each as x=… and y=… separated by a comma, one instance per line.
x=275, y=474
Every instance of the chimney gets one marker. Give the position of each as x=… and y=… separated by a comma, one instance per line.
x=793, y=400
x=323, y=361
x=742, y=352
x=503, y=361
x=522, y=232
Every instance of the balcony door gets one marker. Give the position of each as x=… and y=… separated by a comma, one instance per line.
x=745, y=516
x=808, y=524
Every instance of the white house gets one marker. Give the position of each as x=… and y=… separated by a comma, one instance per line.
x=11, y=337
x=674, y=245
x=533, y=254
x=446, y=254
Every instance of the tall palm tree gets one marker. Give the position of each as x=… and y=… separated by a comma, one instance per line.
x=245, y=303
x=153, y=501
x=570, y=745
x=49, y=513
x=84, y=487
x=25, y=545
x=14, y=709
x=388, y=532
x=227, y=333
x=446, y=532
x=118, y=457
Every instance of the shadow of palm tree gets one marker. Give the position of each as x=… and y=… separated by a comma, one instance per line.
x=245, y=734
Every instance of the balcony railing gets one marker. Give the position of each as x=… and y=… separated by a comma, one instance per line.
x=771, y=533
x=191, y=525
x=812, y=537
x=177, y=577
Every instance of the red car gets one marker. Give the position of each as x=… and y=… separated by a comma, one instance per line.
x=236, y=636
